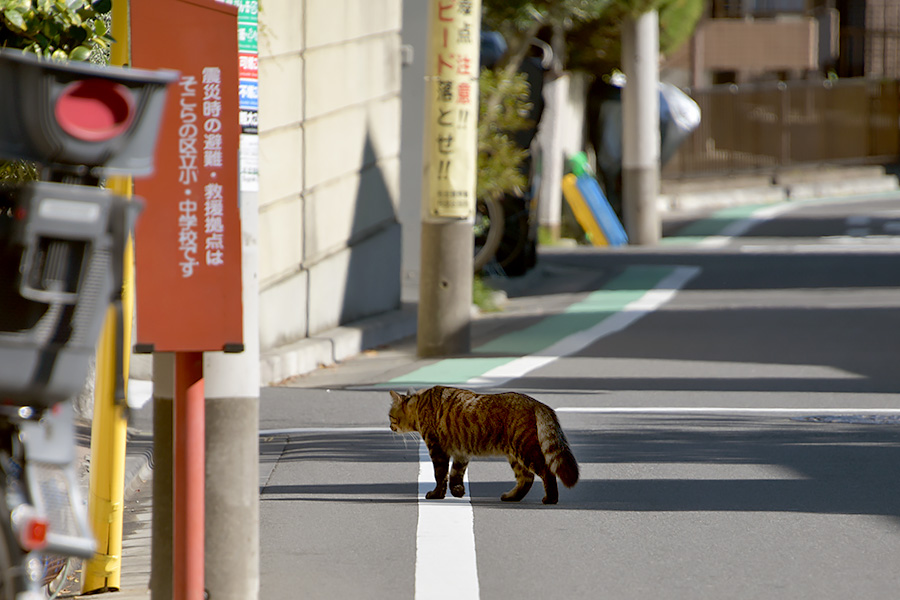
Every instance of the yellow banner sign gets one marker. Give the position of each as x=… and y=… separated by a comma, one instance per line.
x=451, y=141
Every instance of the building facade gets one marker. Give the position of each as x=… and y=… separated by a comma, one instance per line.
x=329, y=145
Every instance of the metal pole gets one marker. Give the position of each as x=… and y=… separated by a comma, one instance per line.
x=640, y=134
x=189, y=470
x=163, y=445
x=108, y=434
x=109, y=427
x=448, y=187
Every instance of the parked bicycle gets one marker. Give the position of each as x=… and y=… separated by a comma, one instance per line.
x=62, y=243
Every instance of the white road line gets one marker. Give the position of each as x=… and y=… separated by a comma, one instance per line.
x=445, y=535
x=445, y=542
x=722, y=410
x=742, y=226
x=664, y=291
x=303, y=430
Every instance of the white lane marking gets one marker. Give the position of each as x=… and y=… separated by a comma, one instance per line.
x=739, y=228
x=664, y=291
x=445, y=542
x=304, y=430
x=722, y=410
x=828, y=246
x=445, y=534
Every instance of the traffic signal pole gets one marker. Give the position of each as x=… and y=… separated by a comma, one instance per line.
x=109, y=427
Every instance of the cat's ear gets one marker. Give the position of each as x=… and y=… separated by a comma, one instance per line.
x=396, y=397
x=411, y=392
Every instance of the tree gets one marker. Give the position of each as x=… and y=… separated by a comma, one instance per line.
x=585, y=34
x=53, y=29
x=520, y=21
x=595, y=46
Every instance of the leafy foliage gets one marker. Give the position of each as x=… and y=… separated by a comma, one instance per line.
x=512, y=17
x=55, y=28
x=498, y=155
x=18, y=170
x=592, y=28
x=596, y=46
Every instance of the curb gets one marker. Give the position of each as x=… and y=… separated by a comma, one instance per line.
x=336, y=345
x=702, y=195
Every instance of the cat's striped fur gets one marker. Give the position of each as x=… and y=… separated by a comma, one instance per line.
x=459, y=424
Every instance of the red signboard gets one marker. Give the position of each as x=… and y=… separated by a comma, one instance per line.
x=188, y=238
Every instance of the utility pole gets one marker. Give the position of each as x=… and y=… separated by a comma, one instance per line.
x=232, y=380
x=450, y=170
x=232, y=442
x=640, y=134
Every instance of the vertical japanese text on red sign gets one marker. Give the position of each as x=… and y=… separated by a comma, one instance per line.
x=187, y=175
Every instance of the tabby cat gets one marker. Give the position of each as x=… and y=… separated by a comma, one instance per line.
x=459, y=424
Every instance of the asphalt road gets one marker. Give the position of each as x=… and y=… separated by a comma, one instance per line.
x=732, y=401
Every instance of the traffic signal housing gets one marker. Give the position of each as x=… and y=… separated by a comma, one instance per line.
x=62, y=240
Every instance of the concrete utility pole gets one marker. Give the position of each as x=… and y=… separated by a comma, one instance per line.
x=640, y=134
x=450, y=165
x=232, y=441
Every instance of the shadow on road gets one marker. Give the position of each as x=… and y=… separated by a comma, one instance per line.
x=825, y=468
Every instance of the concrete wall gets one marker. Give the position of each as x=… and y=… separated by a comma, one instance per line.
x=329, y=125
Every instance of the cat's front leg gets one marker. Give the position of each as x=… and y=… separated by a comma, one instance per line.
x=441, y=463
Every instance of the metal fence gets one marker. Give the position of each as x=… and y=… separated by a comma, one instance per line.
x=767, y=126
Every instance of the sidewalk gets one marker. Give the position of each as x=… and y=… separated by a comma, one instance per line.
x=136, y=538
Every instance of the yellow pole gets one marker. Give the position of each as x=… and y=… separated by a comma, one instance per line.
x=107, y=485
x=110, y=425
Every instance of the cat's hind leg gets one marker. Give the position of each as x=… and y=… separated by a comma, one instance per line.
x=551, y=492
x=524, y=479
x=457, y=472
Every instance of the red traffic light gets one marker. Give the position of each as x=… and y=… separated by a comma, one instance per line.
x=95, y=110
x=70, y=113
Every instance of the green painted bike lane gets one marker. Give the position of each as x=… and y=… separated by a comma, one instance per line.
x=629, y=286
x=632, y=284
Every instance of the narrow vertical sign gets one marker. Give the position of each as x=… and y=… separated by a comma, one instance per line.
x=452, y=123
x=188, y=239
x=248, y=73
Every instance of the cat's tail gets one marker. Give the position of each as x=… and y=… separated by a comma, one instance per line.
x=555, y=448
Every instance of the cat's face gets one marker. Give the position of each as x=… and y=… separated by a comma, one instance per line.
x=399, y=415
